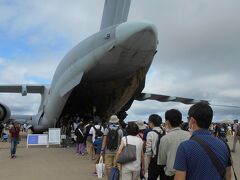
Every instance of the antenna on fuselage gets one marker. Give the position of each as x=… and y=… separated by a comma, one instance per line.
x=115, y=12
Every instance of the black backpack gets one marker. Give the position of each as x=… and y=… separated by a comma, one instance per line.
x=112, y=139
x=98, y=132
x=160, y=135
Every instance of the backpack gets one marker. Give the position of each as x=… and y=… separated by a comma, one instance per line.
x=87, y=129
x=238, y=130
x=160, y=135
x=112, y=139
x=98, y=132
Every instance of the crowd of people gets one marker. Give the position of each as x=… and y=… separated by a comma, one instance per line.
x=170, y=150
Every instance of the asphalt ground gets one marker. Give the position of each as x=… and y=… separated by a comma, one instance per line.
x=55, y=163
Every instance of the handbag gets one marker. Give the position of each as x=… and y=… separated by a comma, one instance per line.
x=128, y=154
x=100, y=167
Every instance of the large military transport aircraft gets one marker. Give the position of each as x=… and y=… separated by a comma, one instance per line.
x=103, y=74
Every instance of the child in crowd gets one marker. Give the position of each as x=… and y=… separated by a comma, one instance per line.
x=98, y=146
x=4, y=137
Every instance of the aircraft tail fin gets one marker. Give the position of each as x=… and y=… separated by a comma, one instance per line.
x=115, y=12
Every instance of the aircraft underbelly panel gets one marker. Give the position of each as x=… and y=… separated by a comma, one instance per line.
x=108, y=97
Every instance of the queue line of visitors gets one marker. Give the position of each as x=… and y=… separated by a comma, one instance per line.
x=167, y=153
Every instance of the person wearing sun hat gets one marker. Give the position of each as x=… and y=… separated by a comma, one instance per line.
x=141, y=127
x=111, y=141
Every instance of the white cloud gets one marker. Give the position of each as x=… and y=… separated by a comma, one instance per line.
x=21, y=105
x=198, y=53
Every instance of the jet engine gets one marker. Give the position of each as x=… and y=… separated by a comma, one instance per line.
x=4, y=113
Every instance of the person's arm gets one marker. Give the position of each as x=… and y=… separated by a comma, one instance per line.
x=180, y=163
x=104, y=142
x=180, y=175
x=228, y=175
x=162, y=152
x=149, y=144
x=142, y=160
x=10, y=134
x=118, y=152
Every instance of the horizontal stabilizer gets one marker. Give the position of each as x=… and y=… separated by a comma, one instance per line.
x=165, y=98
x=23, y=89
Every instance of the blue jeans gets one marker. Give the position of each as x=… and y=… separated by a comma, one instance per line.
x=14, y=142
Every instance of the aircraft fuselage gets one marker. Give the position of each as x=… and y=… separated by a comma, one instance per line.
x=104, y=71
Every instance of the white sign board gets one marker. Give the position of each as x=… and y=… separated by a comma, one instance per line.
x=37, y=139
x=54, y=135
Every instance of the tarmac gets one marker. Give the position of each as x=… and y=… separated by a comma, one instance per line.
x=55, y=163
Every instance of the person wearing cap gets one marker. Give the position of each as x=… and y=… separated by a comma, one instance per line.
x=110, y=154
x=141, y=127
x=170, y=142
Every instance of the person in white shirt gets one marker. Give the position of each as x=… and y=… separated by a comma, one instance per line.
x=170, y=142
x=131, y=170
x=93, y=129
x=152, y=141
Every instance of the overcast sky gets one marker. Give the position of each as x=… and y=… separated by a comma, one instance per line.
x=198, y=52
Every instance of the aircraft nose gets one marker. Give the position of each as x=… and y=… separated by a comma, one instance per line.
x=137, y=35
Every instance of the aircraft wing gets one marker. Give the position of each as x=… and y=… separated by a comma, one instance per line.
x=165, y=98
x=23, y=89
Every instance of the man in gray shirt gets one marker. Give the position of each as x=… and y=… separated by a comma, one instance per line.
x=170, y=142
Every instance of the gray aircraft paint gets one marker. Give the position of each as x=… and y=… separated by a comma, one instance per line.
x=115, y=12
x=92, y=55
x=106, y=71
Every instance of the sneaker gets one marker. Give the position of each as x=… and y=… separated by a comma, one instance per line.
x=83, y=154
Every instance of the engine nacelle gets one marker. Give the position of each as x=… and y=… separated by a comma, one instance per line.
x=5, y=113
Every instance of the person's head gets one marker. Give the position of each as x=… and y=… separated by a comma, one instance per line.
x=235, y=121
x=154, y=120
x=141, y=125
x=113, y=120
x=200, y=116
x=81, y=125
x=14, y=123
x=173, y=118
x=132, y=129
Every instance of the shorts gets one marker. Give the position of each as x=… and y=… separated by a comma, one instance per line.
x=97, y=156
x=109, y=160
